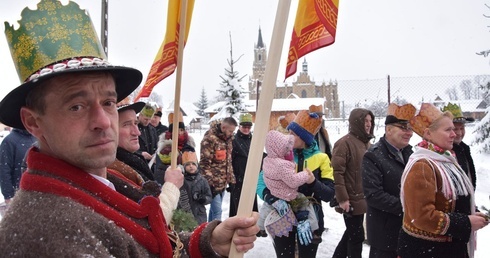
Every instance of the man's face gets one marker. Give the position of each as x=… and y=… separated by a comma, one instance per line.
x=155, y=120
x=399, y=135
x=80, y=122
x=245, y=129
x=460, y=132
x=228, y=129
x=368, y=123
x=144, y=120
x=128, y=131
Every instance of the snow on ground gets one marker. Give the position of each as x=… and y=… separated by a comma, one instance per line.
x=334, y=221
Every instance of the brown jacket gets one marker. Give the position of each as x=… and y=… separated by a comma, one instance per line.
x=347, y=156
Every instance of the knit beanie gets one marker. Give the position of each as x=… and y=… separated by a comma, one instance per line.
x=306, y=126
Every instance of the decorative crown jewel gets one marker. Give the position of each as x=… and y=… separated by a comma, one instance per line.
x=52, y=33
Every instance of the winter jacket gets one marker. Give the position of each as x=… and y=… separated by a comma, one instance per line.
x=62, y=211
x=435, y=219
x=347, y=157
x=382, y=170
x=322, y=189
x=239, y=157
x=280, y=175
x=215, y=163
x=12, y=152
x=199, y=193
x=148, y=139
x=463, y=155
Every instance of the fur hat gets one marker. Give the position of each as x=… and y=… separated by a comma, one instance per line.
x=171, y=121
x=125, y=104
x=457, y=113
x=40, y=54
x=427, y=114
x=245, y=119
x=399, y=114
x=306, y=126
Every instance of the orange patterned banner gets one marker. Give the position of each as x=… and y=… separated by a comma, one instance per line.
x=314, y=28
x=166, y=59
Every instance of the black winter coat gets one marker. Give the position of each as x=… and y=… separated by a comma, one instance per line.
x=148, y=139
x=463, y=155
x=382, y=170
x=239, y=157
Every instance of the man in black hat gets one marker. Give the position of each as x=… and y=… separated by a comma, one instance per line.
x=382, y=169
x=461, y=149
x=68, y=204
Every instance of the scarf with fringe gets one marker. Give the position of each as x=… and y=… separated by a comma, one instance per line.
x=454, y=180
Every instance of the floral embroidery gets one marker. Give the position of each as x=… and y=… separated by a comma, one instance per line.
x=430, y=146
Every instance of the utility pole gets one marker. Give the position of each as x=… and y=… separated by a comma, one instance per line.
x=389, y=90
x=104, y=21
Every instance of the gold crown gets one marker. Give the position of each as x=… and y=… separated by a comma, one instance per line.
x=405, y=112
x=310, y=123
x=51, y=33
x=427, y=114
x=189, y=156
x=285, y=120
x=454, y=109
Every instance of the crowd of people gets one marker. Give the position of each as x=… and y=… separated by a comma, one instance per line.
x=87, y=169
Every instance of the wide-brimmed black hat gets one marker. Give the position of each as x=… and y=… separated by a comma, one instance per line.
x=137, y=106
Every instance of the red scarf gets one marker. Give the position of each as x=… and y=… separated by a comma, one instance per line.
x=155, y=239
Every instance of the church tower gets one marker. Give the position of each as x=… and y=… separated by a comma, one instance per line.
x=260, y=59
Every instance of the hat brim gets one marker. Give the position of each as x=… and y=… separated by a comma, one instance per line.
x=463, y=120
x=126, y=79
x=137, y=107
x=246, y=124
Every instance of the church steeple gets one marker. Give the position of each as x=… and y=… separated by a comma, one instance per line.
x=260, y=59
x=260, y=43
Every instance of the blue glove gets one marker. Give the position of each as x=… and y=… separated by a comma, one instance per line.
x=304, y=232
x=281, y=207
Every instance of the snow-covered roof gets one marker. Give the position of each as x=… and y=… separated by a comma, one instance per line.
x=293, y=104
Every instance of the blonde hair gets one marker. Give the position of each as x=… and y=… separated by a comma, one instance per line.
x=435, y=124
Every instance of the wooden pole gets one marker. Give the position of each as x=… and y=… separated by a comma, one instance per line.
x=178, y=81
x=261, y=127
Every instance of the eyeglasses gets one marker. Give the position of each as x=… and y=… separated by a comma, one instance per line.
x=405, y=128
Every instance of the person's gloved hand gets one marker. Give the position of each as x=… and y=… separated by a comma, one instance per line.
x=281, y=207
x=304, y=232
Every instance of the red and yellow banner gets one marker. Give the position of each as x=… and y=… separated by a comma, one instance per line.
x=314, y=28
x=166, y=59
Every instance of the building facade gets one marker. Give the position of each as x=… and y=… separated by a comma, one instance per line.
x=303, y=87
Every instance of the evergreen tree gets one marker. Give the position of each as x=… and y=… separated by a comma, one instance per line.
x=202, y=104
x=231, y=91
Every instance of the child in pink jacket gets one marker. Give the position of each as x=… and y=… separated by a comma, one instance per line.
x=282, y=180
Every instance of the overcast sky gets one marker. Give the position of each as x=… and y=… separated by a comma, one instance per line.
x=374, y=39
